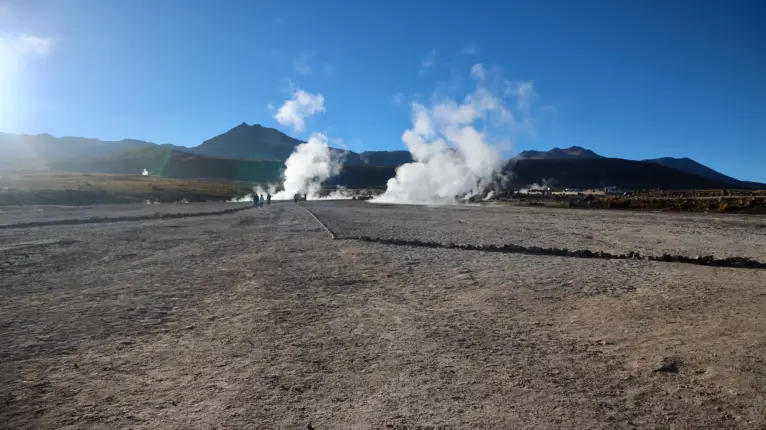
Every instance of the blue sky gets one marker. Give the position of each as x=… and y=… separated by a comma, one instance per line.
x=632, y=79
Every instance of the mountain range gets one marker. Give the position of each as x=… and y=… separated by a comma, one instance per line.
x=256, y=153
x=570, y=153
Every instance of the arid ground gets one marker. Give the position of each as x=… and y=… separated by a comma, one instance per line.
x=260, y=320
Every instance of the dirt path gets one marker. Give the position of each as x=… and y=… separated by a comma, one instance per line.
x=258, y=320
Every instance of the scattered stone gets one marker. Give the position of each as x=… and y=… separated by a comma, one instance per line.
x=189, y=327
x=669, y=365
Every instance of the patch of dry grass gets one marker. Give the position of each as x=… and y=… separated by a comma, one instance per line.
x=85, y=188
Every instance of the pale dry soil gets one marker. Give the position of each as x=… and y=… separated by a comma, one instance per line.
x=613, y=231
x=259, y=320
x=10, y=215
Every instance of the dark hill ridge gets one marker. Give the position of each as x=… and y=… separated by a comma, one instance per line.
x=38, y=151
x=266, y=148
x=577, y=173
x=603, y=172
x=573, y=152
x=690, y=166
x=176, y=164
x=258, y=142
x=249, y=142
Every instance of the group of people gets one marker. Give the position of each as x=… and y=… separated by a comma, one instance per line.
x=259, y=201
x=265, y=199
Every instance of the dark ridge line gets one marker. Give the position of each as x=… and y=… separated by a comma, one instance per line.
x=707, y=260
x=98, y=220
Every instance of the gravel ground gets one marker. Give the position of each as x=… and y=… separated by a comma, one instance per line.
x=259, y=320
x=23, y=214
x=650, y=233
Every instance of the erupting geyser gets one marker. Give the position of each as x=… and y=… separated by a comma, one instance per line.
x=453, y=159
x=307, y=167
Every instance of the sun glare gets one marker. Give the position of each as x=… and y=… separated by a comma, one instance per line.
x=16, y=51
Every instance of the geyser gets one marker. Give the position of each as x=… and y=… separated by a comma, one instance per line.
x=453, y=159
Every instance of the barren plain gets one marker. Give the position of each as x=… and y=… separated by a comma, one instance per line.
x=260, y=320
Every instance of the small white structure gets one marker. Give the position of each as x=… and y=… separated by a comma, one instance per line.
x=540, y=191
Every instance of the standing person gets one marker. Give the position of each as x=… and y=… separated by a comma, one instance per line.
x=262, y=200
x=255, y=200
x=295, y=198
x=268, y=198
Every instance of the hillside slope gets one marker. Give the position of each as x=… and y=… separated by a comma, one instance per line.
x=571, y=153
x=249, y=142
x=176, y=164
x=38, y=151
x=257, y=142
x=603, y=172
x=583, y=173
x=690, y=166
x=257, y=153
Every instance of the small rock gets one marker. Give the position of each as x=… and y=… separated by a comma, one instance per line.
x=189, y=327
x=669, y=365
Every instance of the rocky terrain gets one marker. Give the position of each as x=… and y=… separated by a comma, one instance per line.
x=259, y=319
x=649, y=233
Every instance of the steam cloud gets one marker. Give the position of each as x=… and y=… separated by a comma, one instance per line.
x=453, y=159
x=308, y=166
x=295, y=111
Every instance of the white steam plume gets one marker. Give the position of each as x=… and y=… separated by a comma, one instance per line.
x=340, y=193
x=307, y=167
x=145, y=172
x=295, y=111
x=454, y=160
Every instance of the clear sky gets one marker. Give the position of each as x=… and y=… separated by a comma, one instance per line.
x=634, y=79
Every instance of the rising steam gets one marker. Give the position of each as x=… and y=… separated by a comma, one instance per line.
x=309, y=165
x=453, y=159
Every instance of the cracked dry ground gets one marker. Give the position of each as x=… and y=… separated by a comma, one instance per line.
x=259, y=320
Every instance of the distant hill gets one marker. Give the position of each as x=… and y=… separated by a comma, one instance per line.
x=603, y=172
x=176, y=164
x=573, y=152
x=386, y=158
x=258, y=142
x=755, y=185
x=249, y=142
x=575, y=173
x=257, y=153
x=690, y=166
x=38, y=151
